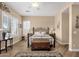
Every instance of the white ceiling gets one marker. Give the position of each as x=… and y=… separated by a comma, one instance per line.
x=45, y=8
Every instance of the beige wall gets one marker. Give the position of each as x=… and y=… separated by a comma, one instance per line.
x=65, y=28
x=58, y=27
x=62, y=28
x=0, y=22
x=74, y=33
x=0, y=19
x=40, y=21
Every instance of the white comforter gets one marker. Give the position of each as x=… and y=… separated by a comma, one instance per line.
x=41, y=36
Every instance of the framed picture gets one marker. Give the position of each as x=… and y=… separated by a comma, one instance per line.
x=77, y=22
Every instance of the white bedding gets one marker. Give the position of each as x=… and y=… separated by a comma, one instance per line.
x=48, y=37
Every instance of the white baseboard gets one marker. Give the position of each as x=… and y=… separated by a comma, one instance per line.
x=62, y=43
x=75, y=50
x=16, y=41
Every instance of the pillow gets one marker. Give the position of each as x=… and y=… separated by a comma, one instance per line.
x=43, y=33
x=40, y=33
x=37, y=33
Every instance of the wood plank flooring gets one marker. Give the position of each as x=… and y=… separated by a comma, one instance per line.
x=22, y=46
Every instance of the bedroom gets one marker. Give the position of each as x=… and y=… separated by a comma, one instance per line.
x=42, y=26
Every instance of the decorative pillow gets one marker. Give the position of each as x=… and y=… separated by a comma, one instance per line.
x=43, y=33
x=40, y=33
x=37, y=33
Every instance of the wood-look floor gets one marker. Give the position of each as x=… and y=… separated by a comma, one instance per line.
x=22, y=46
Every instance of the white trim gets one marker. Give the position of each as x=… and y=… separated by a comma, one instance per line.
x=16, y=42
x=75, y=50
x=70, y=49
x=62, y=43
x=70, y=27
x=16, y=39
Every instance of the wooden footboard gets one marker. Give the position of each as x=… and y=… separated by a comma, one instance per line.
x=39, y=44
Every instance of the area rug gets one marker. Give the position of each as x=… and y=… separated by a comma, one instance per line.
x=38, y=54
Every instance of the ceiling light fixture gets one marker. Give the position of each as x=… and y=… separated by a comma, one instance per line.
x=27, y=11
x=35, y=4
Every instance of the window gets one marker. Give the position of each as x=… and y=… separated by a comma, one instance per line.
x=26, y=27
x=10, y=23
x=14, y=26
x=6, y=22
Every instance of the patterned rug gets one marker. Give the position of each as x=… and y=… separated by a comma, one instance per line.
x=39, y=54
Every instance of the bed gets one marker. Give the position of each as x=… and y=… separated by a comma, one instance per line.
x=41, y=35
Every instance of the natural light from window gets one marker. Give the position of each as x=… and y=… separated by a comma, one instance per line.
x=26, y=27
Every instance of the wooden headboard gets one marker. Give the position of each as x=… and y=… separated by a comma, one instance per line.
x=41, y=29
